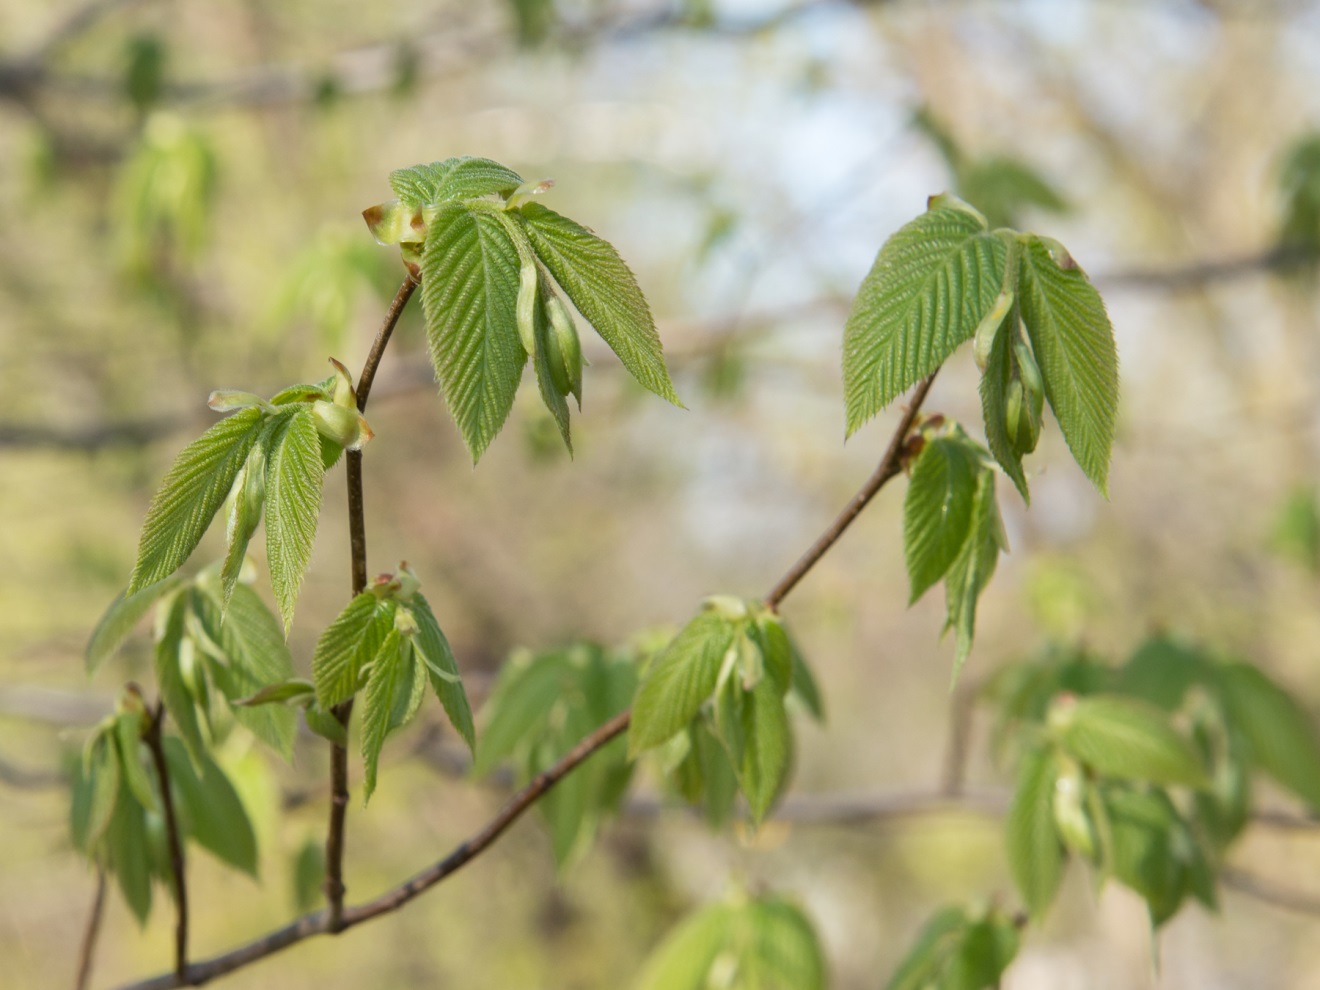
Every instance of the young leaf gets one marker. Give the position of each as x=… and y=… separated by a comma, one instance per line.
x=470, y=276
x=389, y=679
x=1147, y=835
x=680, y=681
x=433, y=650
x=124, y=613
x=995, y=381
x=249, y=498
x=554, y=386
x=174, y=651
x=347, y=645
x=211, y=810
x=604, y=290
x=189, y=496
x=923, y=966
x=1126, y=738
x=294, y=476
x=785, y=951
x=970, y=573
x=308, y=876
x=452, y=179
x=1162, y=671
x=767, y=747
x=937, y=511
x=255, y=656
x=929, y=288
x=95, y=791
x=1035, y=855
x=1074, y=345
x=129, y=855
x=1281, y=736
x=128, y=735
x=683, y=961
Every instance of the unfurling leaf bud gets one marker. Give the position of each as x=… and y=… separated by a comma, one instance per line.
x=245, y=512
x=345, y=427
x=727, y=607
x=344, y=394
x=527, y=306
x=394, y=223
x=1025, y=401
x=989, y=326
x=564, y=338
x=1070, y=816
x=227, y=400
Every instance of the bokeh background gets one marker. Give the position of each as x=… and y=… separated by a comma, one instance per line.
x=180, y=190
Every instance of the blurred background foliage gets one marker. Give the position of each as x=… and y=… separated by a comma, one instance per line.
x=180, y=192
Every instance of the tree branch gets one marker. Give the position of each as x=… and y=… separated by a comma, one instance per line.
x=330, y=921
x=156, y=745
x=357, y=532
x=91, y=932
x=890, y=465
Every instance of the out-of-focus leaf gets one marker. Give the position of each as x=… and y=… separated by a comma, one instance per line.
x=680, y=681
x=1129, y=739
x=1281, y=736
x=119, y=620
x=1035, y=855
x=210, y=809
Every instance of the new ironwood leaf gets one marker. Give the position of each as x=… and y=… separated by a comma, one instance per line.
x=294, y=476
x=937, y=510
x=347, y=645
x=1035, y=854
x=680, y=681
x=452, y=179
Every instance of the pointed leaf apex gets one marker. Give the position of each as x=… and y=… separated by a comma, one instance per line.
x=948, y=201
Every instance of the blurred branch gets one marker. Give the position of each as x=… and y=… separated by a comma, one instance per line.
x=75, y=24
x=1269, y=892
x=23, y=779
x=90, y=933
x=1199, y=274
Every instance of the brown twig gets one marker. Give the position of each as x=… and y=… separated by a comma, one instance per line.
x=889, y=466
x=91, y=932
x=155, y=744
x=357, y=532
x=1270, y=893
x=330, y=921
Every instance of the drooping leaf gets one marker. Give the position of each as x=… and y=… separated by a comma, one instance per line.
x=173, y=653
x=189, y=496
x=554, y=391
x=119, y=620
x=1129, y=739
x=347, y=645
x=938, y=940
x=254, y=656
x=804, y=687
x=95, y=791
x=929, y=288
x=1035, y=855
x=681, y=679
x=248, y=501
x=452, y=179
x=1147, y=837
x=970, y=573
x=604, y=290
x=128, y=735
x=211, y=811
x=129, y=855
x=308, y=876
x=767, y=747
x=937, y=511
x=1162, y=671
x=1281, y=736
x=435, y=654
x=470, y=278
x=390, y=676
x=995, y=382
x=785, y=952
x=294, y=476
x=1074, y=346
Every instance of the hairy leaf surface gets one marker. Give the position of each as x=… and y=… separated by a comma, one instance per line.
x=680, y=682
x=294, y=476
x=937, y=511
x=452, y=179
x=347, y=645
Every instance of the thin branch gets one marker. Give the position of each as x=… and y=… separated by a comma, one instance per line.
x=154, y=743
x=91, y=932
x=332, y=921
x=1269, y=892
x=357, y=530
x=890, y=465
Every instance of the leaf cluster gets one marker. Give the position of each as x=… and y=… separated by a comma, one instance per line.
x=116, y=816
x=724, y=679
x=1144, y=770
x=541, y=707
x=495, y=269
x=959, y=949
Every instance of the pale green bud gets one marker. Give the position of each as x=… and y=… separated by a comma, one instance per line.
x=344, y=394
x=1070, y=816
x=345, y=427
x=564, y=338
x=527, y=307
x=989, y=326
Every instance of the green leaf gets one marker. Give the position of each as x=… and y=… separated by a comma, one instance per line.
x=804, y=687
x=994, y=402
x=119, y=620
x=210, y=809
x=1162, y=671
x=347, y=645
x=95, y=791
x=292, y=692
x=931, y=284
x=552, y=394
x=1035, y=855
x=684, y=959
x=785, y=951
x=128, y=735
x=704, y=775
x=129, y=855
x=249, y=498
x=189, y=496
x=1147, y=834
x=970, y=573
x=1280, y=734
x=681, y=679
x=519, y=705
x=326, y=725
x=767, y=747
x=1074, y=346
x=470, y=276
x=937, y=511
x=941, y=936
x=294, y=475
x=1129, y=739
x=172, y=654
x=385, y=699
x=255, y=656
x=433, y=649
x=604, y=290
x=452, y=179
x=988, y=947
